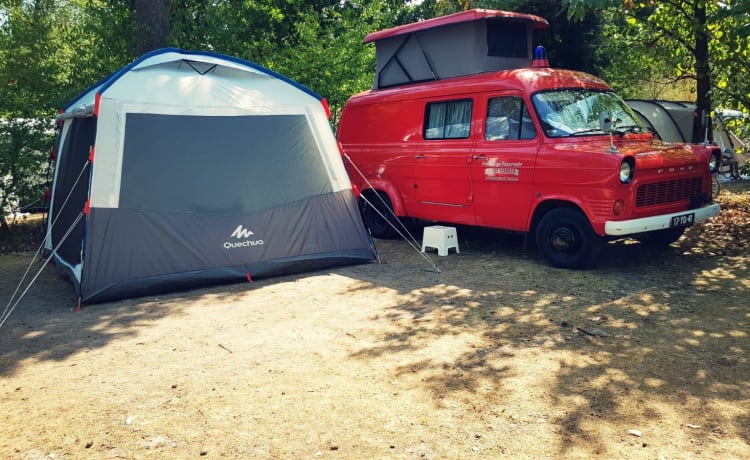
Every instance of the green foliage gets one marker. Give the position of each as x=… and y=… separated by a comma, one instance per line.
x=30, y=67
x=730, y=51
x=326, y=51
x=571, y=43
x=652, y=51
x=24, y=147
x=637, y=66
x=96, y=38
x=51, y=50
x=25, y=47
x=247, y=29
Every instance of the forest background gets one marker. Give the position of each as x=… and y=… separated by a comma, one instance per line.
x=52, y=50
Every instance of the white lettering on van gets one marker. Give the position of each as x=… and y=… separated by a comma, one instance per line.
x=502, y=171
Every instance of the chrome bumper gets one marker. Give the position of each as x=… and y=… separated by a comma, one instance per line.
x=660, y=222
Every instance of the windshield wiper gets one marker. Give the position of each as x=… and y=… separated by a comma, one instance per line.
x=584, y=132
x=622, y=130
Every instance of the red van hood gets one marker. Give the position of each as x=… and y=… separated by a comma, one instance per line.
x=660, y=155
x=653, y=154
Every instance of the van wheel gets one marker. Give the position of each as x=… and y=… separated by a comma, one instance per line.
x=565, y=238
x=661, y=238
x=379, y=227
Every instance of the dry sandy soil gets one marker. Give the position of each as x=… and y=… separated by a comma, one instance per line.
x=645, y=356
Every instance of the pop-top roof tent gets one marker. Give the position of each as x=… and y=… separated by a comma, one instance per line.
x=672, y=121
x=464, y=43
x=190, y=168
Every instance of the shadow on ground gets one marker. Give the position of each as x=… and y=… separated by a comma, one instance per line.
x=641, y=333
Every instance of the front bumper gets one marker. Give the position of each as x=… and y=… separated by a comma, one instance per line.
x=660, y=222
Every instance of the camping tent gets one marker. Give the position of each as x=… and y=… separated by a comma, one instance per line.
x=672, y=121
x=190, y=168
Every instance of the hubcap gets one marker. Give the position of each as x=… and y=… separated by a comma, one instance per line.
x=563, y=239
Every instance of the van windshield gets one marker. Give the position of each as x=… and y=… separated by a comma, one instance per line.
x=575, y=112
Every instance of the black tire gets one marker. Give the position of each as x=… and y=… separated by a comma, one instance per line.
x=565, y=238
x=661, y=238
x=379, y=227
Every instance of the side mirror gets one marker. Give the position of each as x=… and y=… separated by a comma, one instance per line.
x=606, y=120
x=704, y=118
x=706, y=125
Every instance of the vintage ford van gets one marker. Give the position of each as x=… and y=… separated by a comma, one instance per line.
x=554, y=153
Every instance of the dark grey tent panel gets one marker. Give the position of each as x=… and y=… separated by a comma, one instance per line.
x=219, y=164
x=71, y=190
x=143, y=252
x=407, y=62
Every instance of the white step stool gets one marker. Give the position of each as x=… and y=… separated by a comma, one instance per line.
x=440, y=238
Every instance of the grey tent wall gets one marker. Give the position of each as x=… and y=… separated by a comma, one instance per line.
x=672, y=121
x=207, y=199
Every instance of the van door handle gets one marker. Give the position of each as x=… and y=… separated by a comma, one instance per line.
x=418, y=157
x=479, y=157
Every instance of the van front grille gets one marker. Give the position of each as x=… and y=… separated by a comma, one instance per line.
x=668, y=191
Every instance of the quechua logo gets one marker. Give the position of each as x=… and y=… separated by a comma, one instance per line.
x=242, y=238
x=240, y=232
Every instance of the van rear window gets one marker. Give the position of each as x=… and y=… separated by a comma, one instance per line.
x=448, y=120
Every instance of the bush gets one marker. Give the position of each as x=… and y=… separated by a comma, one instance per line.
x=22, y=234
x=24, y=165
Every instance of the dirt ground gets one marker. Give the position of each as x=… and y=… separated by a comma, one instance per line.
x=645, y=356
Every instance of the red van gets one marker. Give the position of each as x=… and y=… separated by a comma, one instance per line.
x=552, y=152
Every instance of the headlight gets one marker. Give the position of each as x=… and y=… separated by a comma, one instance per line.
x=626, y=172
x=714, y=162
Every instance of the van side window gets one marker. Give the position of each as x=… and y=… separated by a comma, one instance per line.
x=508, y=119
x=447, y=120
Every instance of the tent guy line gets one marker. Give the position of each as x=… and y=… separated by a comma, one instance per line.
x=410, y=239
x=8, y=308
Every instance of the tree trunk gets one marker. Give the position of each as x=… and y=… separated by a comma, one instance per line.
x=702, y=72
x=4, y=229
x=152, y=28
